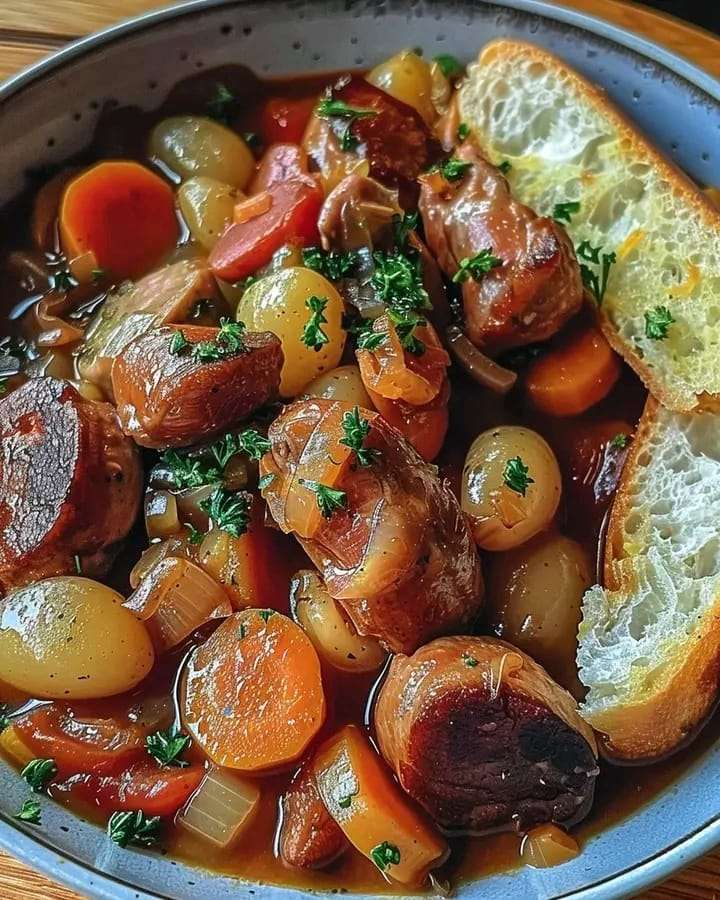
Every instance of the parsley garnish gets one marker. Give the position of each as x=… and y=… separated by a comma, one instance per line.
x=355, y=430
x=476, y=266
x=265, y=614
x=312, y=335
x=229, y=512
x=463, y=131
x=220, y=104
x=619, y=442
x=189, y=473
x=179, y=343
x=596, y=284
x=657, y=322
x=232, y=336
x=328, y=499
x=449, y=65
x=250, y=442
x=563, y=212
x=403, y=225
x=166, y=747
x=516, y=476
x=266, y=481
x=385, y=855
x=405, y=322
x=330, y=108
x=505, y=166
x=344, y=802
x=452, y=169
x=333, y=264
x=369, y=339
x=63, y=280
x=38, y=772
x=29, y=812
x=134, y=828
x=469, y=660
x=196, y=536
x=397, y=280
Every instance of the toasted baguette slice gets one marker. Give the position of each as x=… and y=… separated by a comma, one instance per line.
x=649, y=648
x=566, y=142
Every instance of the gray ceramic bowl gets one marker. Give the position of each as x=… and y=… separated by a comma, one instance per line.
x=48, y=112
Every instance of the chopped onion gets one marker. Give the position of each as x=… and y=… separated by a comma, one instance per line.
x=221, y=808
x=174, y=546
x=547, y=845
x=174, y=599
x=161, y=514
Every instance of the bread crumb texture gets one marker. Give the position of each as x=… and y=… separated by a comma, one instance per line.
x=565, y=142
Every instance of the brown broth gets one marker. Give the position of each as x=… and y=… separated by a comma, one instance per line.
x=122, y=132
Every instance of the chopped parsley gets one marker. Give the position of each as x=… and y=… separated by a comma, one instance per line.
x=193, y=472
x=220, y=104
x=333, y=264
x=62, y=280
x=384, y=855
x=594, y=282
x=405, y=322
x=330, y=108
x=166, y=747
x=449, y=65
x=452, y=169
x=29, y=812
x=505, y=166
x=469, y=660
x=563, y=212
x=186, y=472
x=345, y=802
x=134, y=828
x=228, y=511
x=369, y=339
x=328, y=499
x=657, y=322
x=463, y=131
x=476, y=266
x=516, y=477
x=620, y=441
x=196, y=536
x=266, y=481
x=250, y=442
x=179, y=343
x=403, y=225
x=397, y=280
x=265, y=614
x=312, y=334
x=38, y=772
x=355, y=430
x=229, y=341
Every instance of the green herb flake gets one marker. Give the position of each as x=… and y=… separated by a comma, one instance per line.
x=620, y=441
x=405, y=322
x=397, y=280
x=332, y=264
x=595, y=282
x=516, y=476
x=563, y=212
x=232, y=336
x=355, y=430
x=452, y=169
x=4, y=719
x=62, y=280
x=312, y=335
x=178, y=344
x=266, y=481
x=505, y=166
x=186, y=472
x=228, y=511
x=450, y=66
x=469, y=660
x=125, y=828
x=345, y=116
x=657, y=323
x=265, y=614
x=346, y=801
x=476, y=266
x=384, y=855
x=167, y=746
x=328, y=499
x=220, y=105
x=403, y=226
x=463, y=131
x=38, y=772
x=29, y=812
x=196, y=536
x=252, y=139
x=370, y=340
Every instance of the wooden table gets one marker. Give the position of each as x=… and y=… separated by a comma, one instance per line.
x=29, y=29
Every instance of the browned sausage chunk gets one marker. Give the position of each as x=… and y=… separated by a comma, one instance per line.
x=173, y=399
x=482, y=737
x=535, y=290
x=70, y=483
x=309, y=838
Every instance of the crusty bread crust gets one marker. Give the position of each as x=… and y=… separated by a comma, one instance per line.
x=636, y=149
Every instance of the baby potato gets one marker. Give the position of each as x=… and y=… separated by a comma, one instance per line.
x=70, y=638
x=193, y=145
x=278, y=303
x=207, y=207
x=533, y=601
x=326, y=624
x=344, y=384
x=407, y=77
x=511, y=486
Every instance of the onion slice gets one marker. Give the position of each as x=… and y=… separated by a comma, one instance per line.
x=547, y=845
x=221, y=808
x=478, y=366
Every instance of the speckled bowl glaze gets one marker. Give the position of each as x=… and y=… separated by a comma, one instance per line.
x=48, y=113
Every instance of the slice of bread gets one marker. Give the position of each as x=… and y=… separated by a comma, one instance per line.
x=649, y=641
x=566, y=142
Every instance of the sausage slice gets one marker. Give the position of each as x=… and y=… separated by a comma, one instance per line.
x=481, y=736
x=309, y=837
x=70, y=483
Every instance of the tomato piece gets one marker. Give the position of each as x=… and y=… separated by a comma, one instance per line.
x=285, y=120
x=248, y=246
x=144, y=786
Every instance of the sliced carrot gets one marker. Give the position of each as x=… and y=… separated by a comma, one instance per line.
x=252, y=694
x=252, y=207
x=578, y=373
x=45, y=209
x=376, y=816
x=123, y=213
x=285, y=119
x=281, y=162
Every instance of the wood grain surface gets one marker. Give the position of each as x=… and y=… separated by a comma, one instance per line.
x=30, y=29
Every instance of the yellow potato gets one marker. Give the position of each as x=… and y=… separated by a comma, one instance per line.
x=192, y=146
x=70, y=638
x=277, y=303
x=506, y=511
x=207, y=207
x=343, y=384
x=407, y=77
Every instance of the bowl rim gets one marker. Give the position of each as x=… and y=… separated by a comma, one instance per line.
x=33, y=849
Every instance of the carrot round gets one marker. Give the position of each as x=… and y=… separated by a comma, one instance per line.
x=253, y=697
x=123, y=213
x=578, y=373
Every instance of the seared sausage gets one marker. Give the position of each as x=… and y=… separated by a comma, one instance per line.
x=395, y=550
x=167, y=399
x=481, y=736
x=70, y=483
x=537, y=287
x=309, y=837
